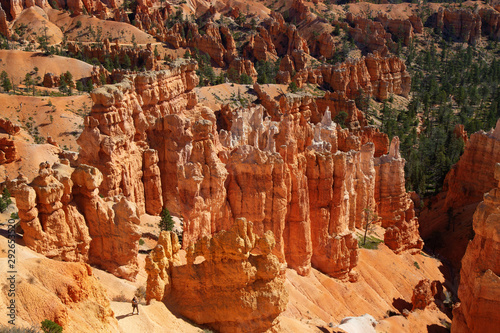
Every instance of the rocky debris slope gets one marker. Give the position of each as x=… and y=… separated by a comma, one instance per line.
x=479, y=277
x=238, y=284
x=64, y=292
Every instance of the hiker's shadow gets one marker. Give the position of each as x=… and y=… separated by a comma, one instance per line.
x=124, y=316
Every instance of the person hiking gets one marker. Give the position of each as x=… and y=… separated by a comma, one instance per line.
x=135, y=305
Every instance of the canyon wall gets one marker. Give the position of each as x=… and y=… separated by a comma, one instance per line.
x=147, y=144
x=466, y=182
x=479, y=289
x=482, y=152
x=446, y=219
x=295, y=173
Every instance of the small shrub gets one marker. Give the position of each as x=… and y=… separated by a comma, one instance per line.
x=48, y=326
x=120, y=298
x=5, y=200
x=14, y=216
x=78, y=24
x=371, y=243
x=340, y=118
x=140, y=292
x=292, y=87
x=141, y=241
x=416, y=265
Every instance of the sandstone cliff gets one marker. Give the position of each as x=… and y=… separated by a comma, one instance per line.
x=51, y=222
x=115, y=132
x=395, y=206
x=451, y=211
x=239, y=284
x=474, y=173
x=479, y=276
x=64, y=218
x=462, y=24
x=374, y=75
x=112, y=223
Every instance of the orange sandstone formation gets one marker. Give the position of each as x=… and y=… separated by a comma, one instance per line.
x=373, y=75
x=395, y=206
x=9, y=127
x=295, y=173
x=63, y=217
x=51, y=222
x=490, y=22
x=451, y=212
x=4, y=25
x=423, y=294
x=460, y=23
x=479, y=277
x=113, y=139
x=232, y=281
x=112, y=223
x=473, y=175
x=8, y=151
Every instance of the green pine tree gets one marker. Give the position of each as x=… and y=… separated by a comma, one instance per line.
x=166, y=222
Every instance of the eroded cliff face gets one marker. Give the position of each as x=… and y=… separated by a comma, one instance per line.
x=63, y=217
x=479, y=277
x=459, y=23
x=474, y=173
x=112, y=222
x=239, y=284
x=374, y=75
x=451, y=212
x=287, y=167
x=50, y=220
x=395, y=205
x=114, y=139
